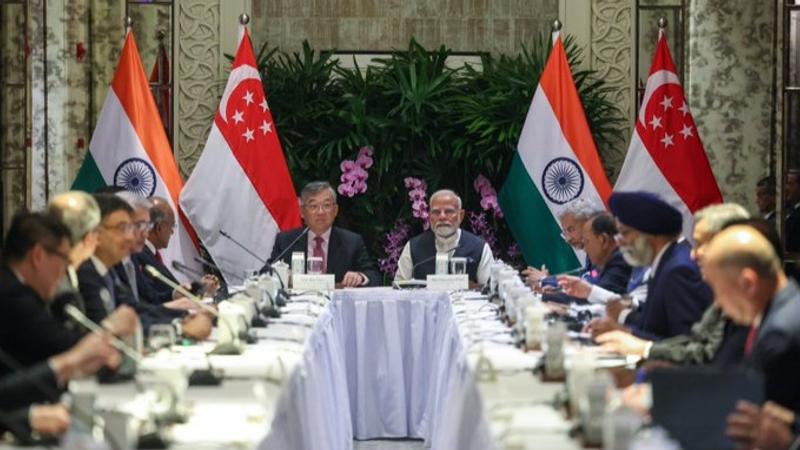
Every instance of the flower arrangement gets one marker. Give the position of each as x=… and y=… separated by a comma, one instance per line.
x=393, y=244
x=354, y=173
x=488, y=195
x=418, y=195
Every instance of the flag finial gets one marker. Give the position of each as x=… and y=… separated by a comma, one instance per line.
x=244, y=19
x=556, y=25
x=662, y=23
x=128, y=22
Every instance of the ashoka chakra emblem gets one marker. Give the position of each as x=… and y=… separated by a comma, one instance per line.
x=562, y=180
x=136, y=175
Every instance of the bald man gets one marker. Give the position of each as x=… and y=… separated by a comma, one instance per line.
x=751, y=288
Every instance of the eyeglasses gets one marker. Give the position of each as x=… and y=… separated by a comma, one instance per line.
x=122, y=227
x=143, y=225
x=324, y=207
x=446, y=212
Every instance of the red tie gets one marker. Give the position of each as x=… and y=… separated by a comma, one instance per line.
x=751, y=339
x=318, y=251
x=158, y=258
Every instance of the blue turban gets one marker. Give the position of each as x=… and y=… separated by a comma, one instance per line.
x=645, y=212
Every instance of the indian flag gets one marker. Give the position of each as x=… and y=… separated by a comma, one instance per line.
x=130, y=149
x=556, y=162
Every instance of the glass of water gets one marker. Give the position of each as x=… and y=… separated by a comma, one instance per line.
x=458, y=265
x=314, y=265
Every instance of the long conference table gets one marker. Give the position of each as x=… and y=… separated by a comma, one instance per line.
x=369, y=363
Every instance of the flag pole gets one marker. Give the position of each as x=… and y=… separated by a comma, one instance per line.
x=556, y=30
x=244, y=19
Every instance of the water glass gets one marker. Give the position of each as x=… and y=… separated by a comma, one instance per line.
x=458, y=265
x=314, y=265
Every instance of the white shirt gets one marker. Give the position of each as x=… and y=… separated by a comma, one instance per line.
x=326, y=239
x=405, y=265
x=150, y=245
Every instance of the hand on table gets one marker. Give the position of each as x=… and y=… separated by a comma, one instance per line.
x=49, y=420
x=122, y=322
x=534, y=276
x=197, y=326
x=618, y=341
x=602, y=325
x=90, y=354
x=574, y=286
x=352, y=279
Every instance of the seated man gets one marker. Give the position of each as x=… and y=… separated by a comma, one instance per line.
x=714, y=338
x=752, y=289
x=35, y=257
x=613, y=273
x=131, y=271
x=343, y=252
x=160, y=230
x=445, y=236
x=81, y=215
x=572, y=219
x=102, y=288
x=648, y=236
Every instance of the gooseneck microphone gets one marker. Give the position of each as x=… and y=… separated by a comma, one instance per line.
x=181, y=290
x=240, y=245
x=285, y=250
x=186, y=270
x=430, y=258
x=78, y=316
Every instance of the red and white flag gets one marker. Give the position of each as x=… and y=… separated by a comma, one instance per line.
x=666, y=155
x=241, y=183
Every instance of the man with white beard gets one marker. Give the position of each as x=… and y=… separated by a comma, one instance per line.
x=648, y=235
x=418, y=259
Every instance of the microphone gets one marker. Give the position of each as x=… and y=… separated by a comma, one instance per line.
x=196, y=287
x=430, y=258
x=268, y=264
x=208, y=264
x=181, y=290
x=186, y=270
x=87, y=323
x=230, y=348
x=240, y=245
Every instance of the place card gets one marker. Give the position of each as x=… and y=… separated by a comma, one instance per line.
x=448, y=283
x=319, y=282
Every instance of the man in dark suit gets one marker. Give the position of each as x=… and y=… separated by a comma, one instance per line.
x=752, y=289
x=792, y=230
x=103, y=290
x=35, y=258
x=161, y=228
x=765, y=198
x=612, y=272
x=648, y=236
x=343, y=252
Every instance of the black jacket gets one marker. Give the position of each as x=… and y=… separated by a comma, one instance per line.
x=776, y=351
x=151, y=289
x=346, y=252
x=28, y=332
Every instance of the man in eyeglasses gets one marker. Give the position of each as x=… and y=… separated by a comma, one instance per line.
x=445, y=236
x=343, y=252
x=103, y=289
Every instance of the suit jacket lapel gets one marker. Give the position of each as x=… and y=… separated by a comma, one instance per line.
x=334, y=248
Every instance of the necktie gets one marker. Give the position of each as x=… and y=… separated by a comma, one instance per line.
x=130, y=272
x=158, y=258
x=751, y=339
x=318, y=251
x=111, y=302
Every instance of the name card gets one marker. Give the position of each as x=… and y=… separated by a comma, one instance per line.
x=321, y=282
x=448, y=283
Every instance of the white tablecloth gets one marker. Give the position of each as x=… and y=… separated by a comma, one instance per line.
x=382, y=363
